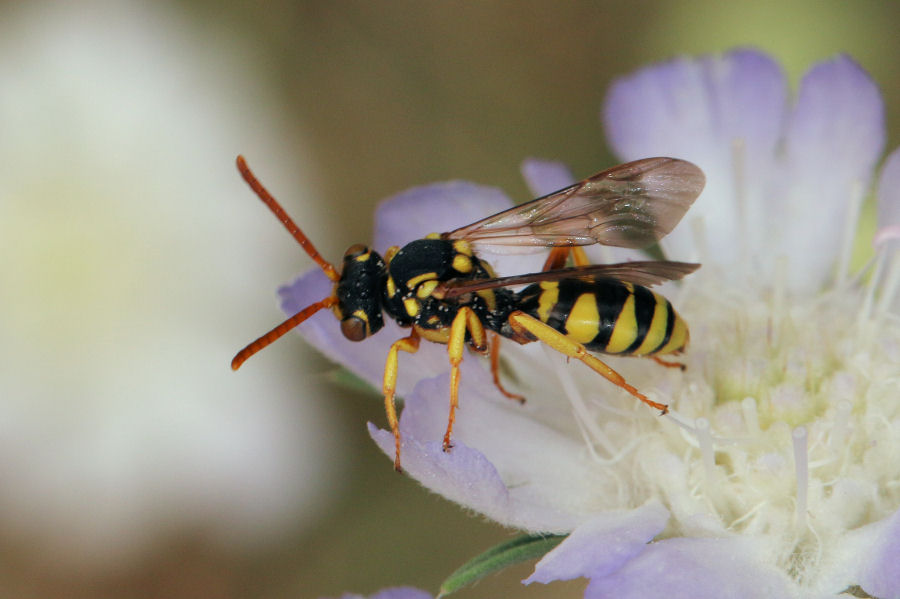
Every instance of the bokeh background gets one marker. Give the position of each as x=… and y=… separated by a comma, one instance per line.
x=133, y=462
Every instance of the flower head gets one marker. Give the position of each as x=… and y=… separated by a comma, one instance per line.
x=775, y=474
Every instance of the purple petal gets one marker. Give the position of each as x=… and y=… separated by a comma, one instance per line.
x=435, y=208
x=723, y=113
x=602, y=545
x=730, y=568
x=880, y=576
x=537, y=463
x=364, y=358
x=889, y=193
x=545, y=176
x=393, y=593
x=834, y=138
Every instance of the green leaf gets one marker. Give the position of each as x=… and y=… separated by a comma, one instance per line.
x=518, y=550
x=348, y=380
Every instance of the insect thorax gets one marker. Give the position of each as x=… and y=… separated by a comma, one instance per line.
x=415, y=273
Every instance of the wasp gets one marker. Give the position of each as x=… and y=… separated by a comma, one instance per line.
x=441, y=289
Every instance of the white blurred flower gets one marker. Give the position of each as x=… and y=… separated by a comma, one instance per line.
x=128, y=257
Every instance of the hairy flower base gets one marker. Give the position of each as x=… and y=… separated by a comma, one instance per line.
x=782, y=430
x=785, y=423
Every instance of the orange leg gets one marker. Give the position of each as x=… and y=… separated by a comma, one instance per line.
x=495, y=369
x=668, y=364
x=408, y=344
x=558, y=257
x=526, y=325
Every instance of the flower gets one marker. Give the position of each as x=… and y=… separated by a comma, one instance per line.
x=393, y=593
x=775, y=473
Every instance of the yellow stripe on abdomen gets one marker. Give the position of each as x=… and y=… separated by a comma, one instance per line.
x=626, y=329
x=679, y=338
x=583, y=322
x=656, y=331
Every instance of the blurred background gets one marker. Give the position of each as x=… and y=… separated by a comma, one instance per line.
x=135, y=262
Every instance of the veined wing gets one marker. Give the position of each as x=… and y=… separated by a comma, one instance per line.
x=631, y=205
x=646, y=273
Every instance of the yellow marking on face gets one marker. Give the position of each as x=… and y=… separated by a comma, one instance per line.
x=625, y=330
x=656, y=332
x=411, y=305
x=462, y=263
x=420, y=278
x=360, y=314
x=582, y=324
x=463, y=247
x=679, y=337
x=426, y=288
x=391, y=286
x=363, y=257
x=433, y=320
x=548, y=298
x=336, y=308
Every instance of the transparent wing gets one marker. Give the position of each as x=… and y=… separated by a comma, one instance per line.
x=632, y=205
x=647, y=273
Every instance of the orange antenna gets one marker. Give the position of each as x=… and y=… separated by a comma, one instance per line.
x=280, y=330
x=286, y=220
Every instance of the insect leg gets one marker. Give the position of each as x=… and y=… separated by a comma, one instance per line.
x=556, y=259
x=558, y=256
x=579, y=256
x=526, y=325
x=668, y=364
x=465, y=320
x=411, y=345
x=495, y=369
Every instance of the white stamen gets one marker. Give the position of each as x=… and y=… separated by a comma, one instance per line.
x=704, y=438
x=841, y=426
x=801, y=467
x=865, y=310
x=779, y=290
x=889, y=288
x=582, y=414
x=751, y=415
x=850, y=225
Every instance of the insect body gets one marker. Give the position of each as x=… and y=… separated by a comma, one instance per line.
x=444, y=292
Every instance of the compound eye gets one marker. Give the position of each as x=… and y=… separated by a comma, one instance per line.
x=354, y=328
x=355, y=251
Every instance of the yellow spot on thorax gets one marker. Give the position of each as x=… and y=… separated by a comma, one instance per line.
x=411, y=283
x=462, y=263
x=426, y=288
x=548, y=299
x=411, y=305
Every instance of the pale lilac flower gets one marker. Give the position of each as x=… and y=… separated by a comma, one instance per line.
x=392, y=593
x=776, y=472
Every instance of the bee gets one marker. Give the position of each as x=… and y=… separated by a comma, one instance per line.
x=441, y=289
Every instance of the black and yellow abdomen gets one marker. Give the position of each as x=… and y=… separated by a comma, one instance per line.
x=607, y=315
